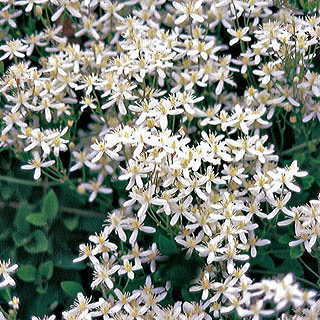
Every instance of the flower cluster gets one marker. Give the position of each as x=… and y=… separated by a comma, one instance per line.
x=306, y=224
x=147, y=93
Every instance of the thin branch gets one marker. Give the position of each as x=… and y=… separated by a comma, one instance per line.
x=76, y=211
x=309, y=268
x=301, y=146
x=82, y=212
x=25, y=182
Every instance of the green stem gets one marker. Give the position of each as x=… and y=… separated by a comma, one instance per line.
x=4, y=313
x=125, y=286
x=51, y=177
x=75, y=211
x=81, y=212
x=24, y=182
x=301, y=146
x=308, y=268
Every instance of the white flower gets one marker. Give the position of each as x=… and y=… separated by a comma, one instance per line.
x=189, y=10
x=28, y=8
x=14, y=48
x=239, y=34
x=279, y=205
x=102, y=147
x=5, y=270
x=102, y=274
x=151, y=256
x=36, y=164
x=204, y=285
x=52, y=317
x=128, y=269
x=96, y=187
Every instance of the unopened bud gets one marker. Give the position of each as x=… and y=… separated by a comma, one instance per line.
x=38, y=11
x=71, y=145
x=81, y=189
x=169, y=19
x=293, y=119
x=296, y=79
x=189, y=117
x=288, y=107
x=12, y=312
x=43, y=61
x=205, y=238
x=234, y=186
x=182, y=131
x=70, y=123
x=150, y=123
x=113, y=122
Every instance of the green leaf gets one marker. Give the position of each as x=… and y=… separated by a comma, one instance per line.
x=189, y=296
x=71, y=288
x=44, y=303
x=42, y=287
x=37, y=219
x=284, y=239
x=38, y=243
x=46, y=269
x=137, y=282
x=167, y=246
x=307, y=182
x=5, y=294
x=291, y=265
x=91, y=224
x=296, y=252
x=20, y=219
x=20, y=239
x=50, y=205
x=5, y=234
x=180, y=271
x=69, y=197
x=27, y=272
x=265, y=262
x=63, y=260
x=6, y=192
x=303, y=197
x=300, y=157
x=71, y=223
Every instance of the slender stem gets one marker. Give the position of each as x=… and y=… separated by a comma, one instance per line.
x=300, y=146
x=76, y=211
x=24, y=182
x=4, y=313
x=125, y=286
x=307, y=267
x=50, y=176
x=82, y=212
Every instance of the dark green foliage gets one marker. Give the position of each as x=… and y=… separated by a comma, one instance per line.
x=42, y=226
x=177, y=269
x=71, y=288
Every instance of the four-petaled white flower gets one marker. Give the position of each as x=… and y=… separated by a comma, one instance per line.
x=36, y=164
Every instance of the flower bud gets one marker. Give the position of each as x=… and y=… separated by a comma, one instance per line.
x=81, y=189
x=288, y=107
x=293, y=119
x=38, y=11
x=150, y=123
